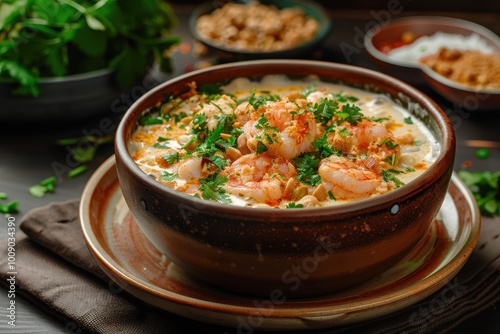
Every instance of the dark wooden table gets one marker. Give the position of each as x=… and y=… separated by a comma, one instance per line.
x=27, y=157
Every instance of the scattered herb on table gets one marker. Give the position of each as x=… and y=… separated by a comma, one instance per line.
x=483, y=153
x=485, y=188
x=83, y=150
x=41, y=38
x=10, y=207
x=47, y=185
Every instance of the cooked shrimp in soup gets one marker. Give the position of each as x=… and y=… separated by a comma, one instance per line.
x=281, y=143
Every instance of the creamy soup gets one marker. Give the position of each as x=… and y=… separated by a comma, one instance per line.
x=281, y=143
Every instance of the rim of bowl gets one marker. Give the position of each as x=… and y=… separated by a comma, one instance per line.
x=66, y=78
x=447, y=144
x=324, y=21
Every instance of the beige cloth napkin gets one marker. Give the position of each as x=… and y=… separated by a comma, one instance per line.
x=56, y=271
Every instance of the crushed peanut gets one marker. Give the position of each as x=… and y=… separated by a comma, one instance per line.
x=257, y=27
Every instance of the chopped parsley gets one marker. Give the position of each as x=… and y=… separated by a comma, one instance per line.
x=210, y=90
x=350, y=113
x=293, y=205
x=261, y=147
x=408, y=120
x=307, y=167
x=168, y=177
x=211, y=188
x=171, y=157
x=324, y=110
x=388, y=176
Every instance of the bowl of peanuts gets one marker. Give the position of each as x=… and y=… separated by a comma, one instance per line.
x=242, y=30
x=302, y=176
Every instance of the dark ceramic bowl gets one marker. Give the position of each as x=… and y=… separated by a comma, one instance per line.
x=65, y=99
x=310, y=8
x=295, y=253
x=415, y=73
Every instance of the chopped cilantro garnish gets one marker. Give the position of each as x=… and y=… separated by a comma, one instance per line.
x=167, y=176
x=259, y=100
x=160, y=139
x=350, y=113
x=417, y=142
x=324, y=110
x=408, y=120
x=261, y=147
x=161, y=146
x=378, y=119
x=309, y=90
x=212, y=189
x=389, y=143
x=307, y=166
x=344, y=133
x=219, y=161
x=388, y=176
x=391, y=159
x=410, y=169
x=345, y=98
x=210, y=90
x=293, y=205
x=321, y=145
x=331, y=195
x=171, y=157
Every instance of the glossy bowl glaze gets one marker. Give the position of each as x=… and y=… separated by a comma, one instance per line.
x=310, y=8
x=62, y=100
x=416, y=73
x=287, y=253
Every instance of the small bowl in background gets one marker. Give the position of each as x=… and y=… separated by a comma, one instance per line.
x=310, y=9
x=418, y=74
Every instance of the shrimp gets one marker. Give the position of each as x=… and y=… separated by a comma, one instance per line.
x=223, y=105
x=350, y=178
x=367, y=137
x=281, y=128
x=259, y=177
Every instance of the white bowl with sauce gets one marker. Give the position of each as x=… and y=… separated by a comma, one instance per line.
x=415, y=73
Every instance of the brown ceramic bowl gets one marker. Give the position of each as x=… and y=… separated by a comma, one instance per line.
x=416, y=73
x=287, y=253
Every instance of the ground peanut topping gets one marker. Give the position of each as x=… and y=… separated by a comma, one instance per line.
x=256, y=27
x=472, y=68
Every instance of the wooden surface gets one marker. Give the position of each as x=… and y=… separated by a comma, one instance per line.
x=27, y=157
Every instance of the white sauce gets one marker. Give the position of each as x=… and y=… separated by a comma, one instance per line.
x=428, y=45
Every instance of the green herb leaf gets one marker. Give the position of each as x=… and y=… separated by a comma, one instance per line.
x=388, y=176
x=293, y=205
x=408, y=120
x=171, y=157
x=486, y=189
x=212, y=189
x=77, y=171
x=169, y=177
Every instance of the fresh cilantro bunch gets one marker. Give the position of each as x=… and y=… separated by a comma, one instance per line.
x=56, y=38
